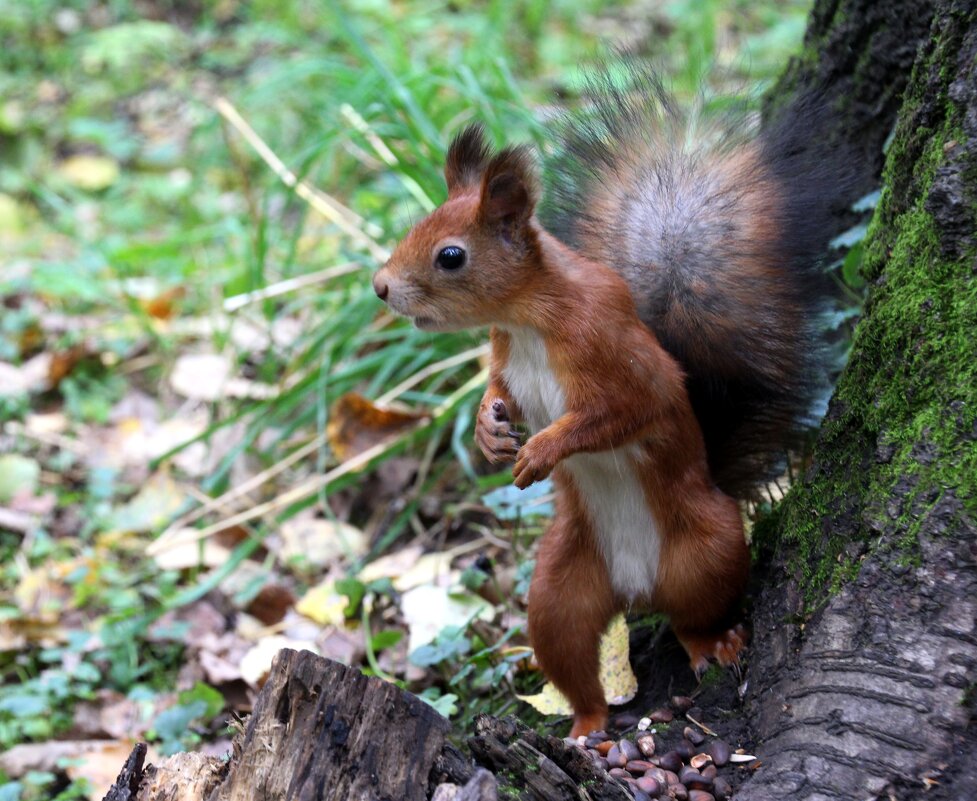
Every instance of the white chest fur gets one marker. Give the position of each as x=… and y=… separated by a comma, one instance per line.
x=607, y=481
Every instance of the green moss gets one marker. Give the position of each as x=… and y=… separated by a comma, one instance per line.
x=899, y=435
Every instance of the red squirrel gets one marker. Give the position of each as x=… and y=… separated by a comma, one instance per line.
x=655, y=336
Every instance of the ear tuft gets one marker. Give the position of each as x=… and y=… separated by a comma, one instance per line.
x=467, y=156
x=509, y=189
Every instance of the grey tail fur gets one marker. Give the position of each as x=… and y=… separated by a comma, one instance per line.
x=719, y=230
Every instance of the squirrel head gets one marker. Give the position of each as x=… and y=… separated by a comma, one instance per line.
x=468, y=263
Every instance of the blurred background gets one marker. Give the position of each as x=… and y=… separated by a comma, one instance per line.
x=214, y=441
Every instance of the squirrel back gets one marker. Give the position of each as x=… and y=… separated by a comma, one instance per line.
x=718, y=231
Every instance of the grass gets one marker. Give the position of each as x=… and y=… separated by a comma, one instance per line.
x=140, y=222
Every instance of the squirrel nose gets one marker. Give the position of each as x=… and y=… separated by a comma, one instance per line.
x=380, y=287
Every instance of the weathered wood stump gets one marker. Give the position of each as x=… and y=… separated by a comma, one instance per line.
x=322, y=731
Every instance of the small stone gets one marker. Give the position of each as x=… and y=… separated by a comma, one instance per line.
x=671, y=778
x=681, y=703
x=625, y=720
x=604, y=746
x=662, y=716
x=593, y=742
x=659, y=775
x=709, y=771
x=629, y=749
x=719, y=751
x=700, y=795
x=650, y=786
x=620, y=773
x=639, y=795
x=694, y=736
x=679, y=792
x=616, y=758
x=599, y=734
x=671, y=761
x=646, y=744
x=685, y=749
x=694, y=780
x=639, y=766
x=722, y=788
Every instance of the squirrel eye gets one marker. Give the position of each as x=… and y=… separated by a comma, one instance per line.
x=450, y=258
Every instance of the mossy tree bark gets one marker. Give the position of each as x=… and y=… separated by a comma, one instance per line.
x=862, y=676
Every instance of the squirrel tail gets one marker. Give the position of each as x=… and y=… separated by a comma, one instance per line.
x=719, y=230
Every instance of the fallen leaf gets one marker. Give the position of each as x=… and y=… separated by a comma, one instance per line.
x=257, y=661
x=163, y=306
x=153, y=506
x=323, y=604
x=319, y=542
x=271, y=603
x=183, y=552
x=616, y=676
x=357, y=424
x=47, y=756
x=208, y=377
x=18, y=474
x=63, y=362
x=431, y=568
x=100, y=767
x=89, y=172
x=428, y=609
x=109, y=715
x=201, y=376
x=391, y=565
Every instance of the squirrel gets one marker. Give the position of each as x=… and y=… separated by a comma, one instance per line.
x=654, y=328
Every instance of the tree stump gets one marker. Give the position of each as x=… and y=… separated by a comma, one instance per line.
x=323, y=731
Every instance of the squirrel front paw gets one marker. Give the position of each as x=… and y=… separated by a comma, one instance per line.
x=535, y=461
x=494, y=433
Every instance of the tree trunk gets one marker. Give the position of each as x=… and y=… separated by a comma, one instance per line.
x=863, y=669
x=859, y=53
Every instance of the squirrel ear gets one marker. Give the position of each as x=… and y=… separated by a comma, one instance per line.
x=466, y=158
x=509, y=187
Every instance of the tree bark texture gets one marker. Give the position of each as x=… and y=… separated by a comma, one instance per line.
x=321, y=731
x=859, y=54
x=862, y=674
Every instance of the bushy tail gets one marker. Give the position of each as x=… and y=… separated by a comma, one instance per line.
x=719, y=230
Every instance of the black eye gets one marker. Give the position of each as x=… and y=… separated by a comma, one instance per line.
x=450, y=258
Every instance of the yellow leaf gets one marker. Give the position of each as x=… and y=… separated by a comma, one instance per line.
x=92, y=173
x=616, y=676
x=323, y=605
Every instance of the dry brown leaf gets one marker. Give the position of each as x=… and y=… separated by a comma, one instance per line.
x=100, y=766
x=163, y=306
x=271, y=603
x=110, y=714
x=64, y=361
x=357, y=424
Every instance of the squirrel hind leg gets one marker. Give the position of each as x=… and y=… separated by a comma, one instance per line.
x=724, y=647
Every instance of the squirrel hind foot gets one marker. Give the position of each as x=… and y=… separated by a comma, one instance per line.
x=584, y=724
x=724, y=648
